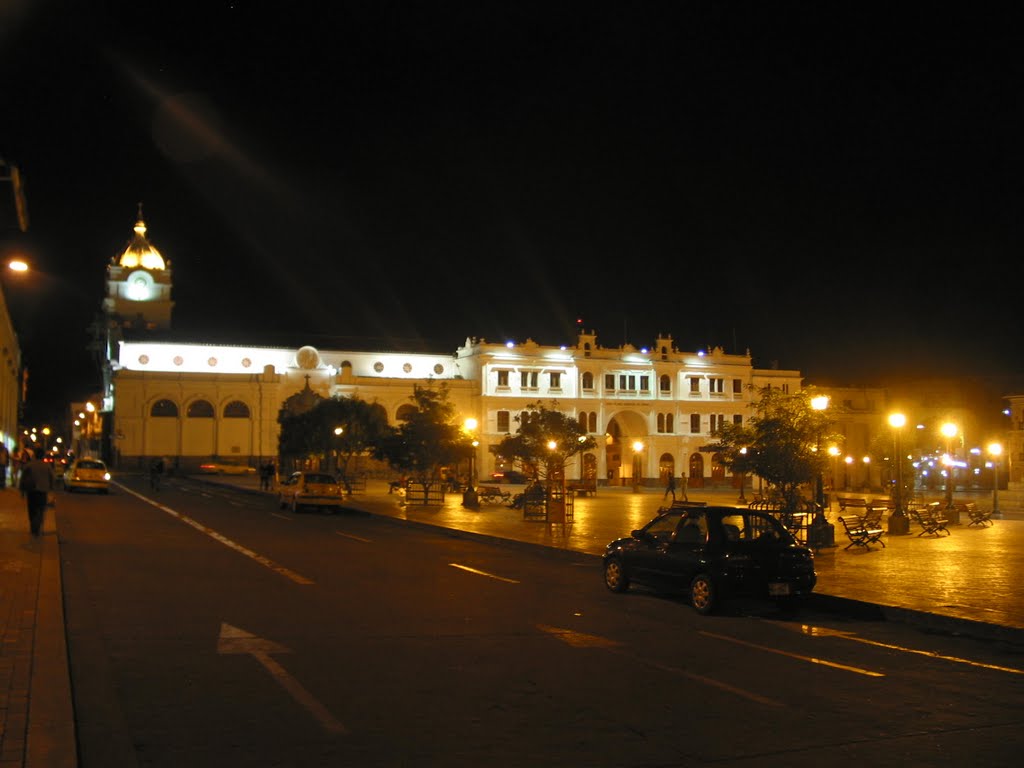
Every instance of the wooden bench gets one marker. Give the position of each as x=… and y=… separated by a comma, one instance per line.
x=931, y=519
x=860, y=533
x=583, y=487
x=979, y=517
x=492, y=494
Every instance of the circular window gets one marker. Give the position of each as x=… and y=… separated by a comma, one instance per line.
x=439, y=368
x=246, y=362
x=178, y=360
x=307, y=358
x=378, y=367
x=407, y=367
x=144, y=359
x=212, y=361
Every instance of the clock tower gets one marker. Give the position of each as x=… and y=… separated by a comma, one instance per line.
x=138, y=288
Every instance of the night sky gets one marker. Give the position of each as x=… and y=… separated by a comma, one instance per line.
x=836, y=187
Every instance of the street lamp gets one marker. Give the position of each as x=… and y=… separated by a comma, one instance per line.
x=833, y=451
x=820, y=533
x=638, y=447
x=819, y=403
x=899, y=523
x=743, y=479
x=470, y=498
x=995, y=450
x=949, y=430
x=847, y=472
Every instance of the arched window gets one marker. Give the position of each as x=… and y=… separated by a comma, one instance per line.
x=583, y=419
x=592, y=424
x=670, y=422
x=164, y=408
x=380, y=412
x=665, y=383
x=405, y=412
x=200, y=409
x=661, y=423
x=588, y=380
x=236, y=409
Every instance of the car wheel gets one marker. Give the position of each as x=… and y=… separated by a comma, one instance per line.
x=702, y=594
x=615, y=577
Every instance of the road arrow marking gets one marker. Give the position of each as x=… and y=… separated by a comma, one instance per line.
x=235, y=640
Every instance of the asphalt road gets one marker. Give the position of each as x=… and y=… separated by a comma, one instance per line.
x=206, y=627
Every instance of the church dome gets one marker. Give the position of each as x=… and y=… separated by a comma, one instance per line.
x=140, y=253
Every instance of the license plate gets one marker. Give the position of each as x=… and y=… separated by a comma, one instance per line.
x=778, y=589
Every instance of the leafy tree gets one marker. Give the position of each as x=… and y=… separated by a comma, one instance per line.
x=547, y=439
x=334, y=430
x=427, y=439
x=782, y=443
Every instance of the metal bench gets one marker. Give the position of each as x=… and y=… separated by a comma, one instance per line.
x=583, y=487
x=978, y=516
x=931, y=520
x=492, y=494
x=854, y=505
x=860, y=533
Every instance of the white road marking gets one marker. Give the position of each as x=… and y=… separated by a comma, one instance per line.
x=797, y=656
x=354, y=538
x=583, y=640
x=264, y=561
x=813, y=631
x=482, y=573
x=235, y=640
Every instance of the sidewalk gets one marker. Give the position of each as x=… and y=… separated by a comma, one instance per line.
x=36, y=713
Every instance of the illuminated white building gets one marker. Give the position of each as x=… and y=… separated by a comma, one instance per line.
x=652, y=409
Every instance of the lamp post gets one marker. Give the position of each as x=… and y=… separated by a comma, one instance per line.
x=470, y=497
x=743, y=480
x=833, y=451
x=820, y=533
x=847, y=472
x=638, y=448
x=899, y=523
x=819, y=403
x=995, y=450
x=949, y=430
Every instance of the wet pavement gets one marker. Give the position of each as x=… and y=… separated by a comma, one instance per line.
x=967, y=583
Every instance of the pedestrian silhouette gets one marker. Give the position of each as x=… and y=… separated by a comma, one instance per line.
x=671, y=487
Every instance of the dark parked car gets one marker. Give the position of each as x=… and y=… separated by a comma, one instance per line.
x=712, y=553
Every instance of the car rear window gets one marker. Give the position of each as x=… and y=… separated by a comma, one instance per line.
x=91, y=465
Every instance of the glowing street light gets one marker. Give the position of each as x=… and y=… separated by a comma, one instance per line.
x=899, y=523
x=949, y=431
x=638, y=448
x=470, y=498
x=820, y=533
x=995, y=451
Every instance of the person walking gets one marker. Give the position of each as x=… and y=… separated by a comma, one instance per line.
x=36, y=484
x=5, y=462
x=670, y=487
x=156, y=471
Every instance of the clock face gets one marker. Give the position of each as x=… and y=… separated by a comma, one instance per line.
x=139, y=286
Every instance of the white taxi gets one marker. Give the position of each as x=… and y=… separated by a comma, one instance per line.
x=310, y=489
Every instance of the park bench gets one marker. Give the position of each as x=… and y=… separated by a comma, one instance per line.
x=860, y=532
x=931, y=519
x=492, y=494
x=583, y=487
x=978, y=516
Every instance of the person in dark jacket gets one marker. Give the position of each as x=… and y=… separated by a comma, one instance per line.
x=36, y=485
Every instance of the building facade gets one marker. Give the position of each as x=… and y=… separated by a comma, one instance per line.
x=652, y=409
